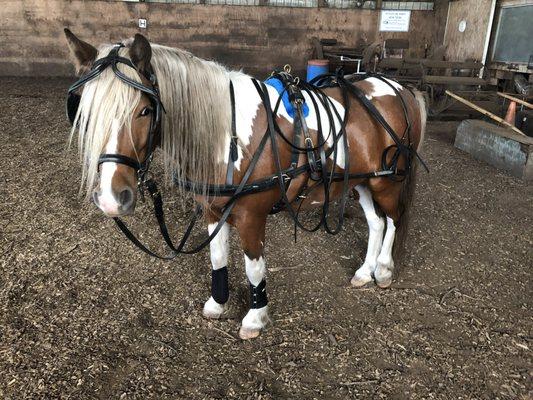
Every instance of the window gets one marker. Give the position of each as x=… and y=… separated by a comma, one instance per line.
x=348, y=4
x=407, y=5
x=513, y=37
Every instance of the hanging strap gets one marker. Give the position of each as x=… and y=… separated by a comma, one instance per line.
x=233, y=150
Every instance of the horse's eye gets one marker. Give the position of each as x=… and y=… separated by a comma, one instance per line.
x=146, y=111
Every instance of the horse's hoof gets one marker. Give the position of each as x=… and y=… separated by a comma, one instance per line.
x=248, y=333
x=361, y=283
x=384, y=284
x=212, y=309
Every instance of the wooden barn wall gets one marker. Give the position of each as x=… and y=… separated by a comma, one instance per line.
x=470, y=43
x=256, y=39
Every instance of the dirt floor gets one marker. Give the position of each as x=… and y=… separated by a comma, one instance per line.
x=84, y=315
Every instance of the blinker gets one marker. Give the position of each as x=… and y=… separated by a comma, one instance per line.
x=73, y=103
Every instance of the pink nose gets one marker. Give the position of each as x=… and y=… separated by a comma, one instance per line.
x=115, y=205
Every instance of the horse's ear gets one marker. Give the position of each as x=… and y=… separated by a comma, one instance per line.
x=141, y=54
x=83, y=53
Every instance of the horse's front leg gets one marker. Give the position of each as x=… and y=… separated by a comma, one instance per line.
x=219, y=251
x=252, y=233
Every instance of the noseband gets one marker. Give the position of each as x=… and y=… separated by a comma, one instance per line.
x=73, y=101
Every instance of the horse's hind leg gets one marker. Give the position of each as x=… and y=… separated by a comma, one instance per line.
x=219, y=251
x=252, y=233
x=388, y=200
x=364, y=274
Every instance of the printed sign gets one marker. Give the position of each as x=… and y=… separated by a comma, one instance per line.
x=394, y=21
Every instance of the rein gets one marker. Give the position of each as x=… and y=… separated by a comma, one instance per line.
x=317, y=155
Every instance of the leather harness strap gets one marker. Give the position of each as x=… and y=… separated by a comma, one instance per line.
x=233, y=150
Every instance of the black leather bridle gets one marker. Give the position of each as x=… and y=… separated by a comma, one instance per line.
x=73, y=101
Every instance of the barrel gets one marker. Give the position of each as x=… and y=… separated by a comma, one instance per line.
x=316, y=67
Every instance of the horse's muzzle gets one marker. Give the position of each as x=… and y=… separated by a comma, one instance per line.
x=113, y=204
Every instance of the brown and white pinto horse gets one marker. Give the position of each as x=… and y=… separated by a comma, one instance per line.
x=114, y=118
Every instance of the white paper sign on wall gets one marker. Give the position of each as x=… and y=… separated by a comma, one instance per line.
x=394, y=21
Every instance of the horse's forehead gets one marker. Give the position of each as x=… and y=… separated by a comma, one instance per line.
x=113, y=141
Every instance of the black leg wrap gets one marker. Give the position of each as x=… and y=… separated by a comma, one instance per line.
x=219, y=285
x=258, y=295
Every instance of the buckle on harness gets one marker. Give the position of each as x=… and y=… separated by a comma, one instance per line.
x=284, y=176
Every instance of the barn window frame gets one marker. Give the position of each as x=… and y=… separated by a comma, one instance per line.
x=412, y=5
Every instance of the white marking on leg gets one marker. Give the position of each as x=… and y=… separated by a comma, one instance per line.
x=375, y=237
x=212, y=309
x=256, y=318
x=106, y=200
x=380, y=88
x=255, y=269
x=385, y=262
x=219, y=252
x=219, y=246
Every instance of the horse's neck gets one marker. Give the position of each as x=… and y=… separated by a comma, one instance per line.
x=198, y=119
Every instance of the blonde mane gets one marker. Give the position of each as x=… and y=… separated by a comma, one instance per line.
x=196, y=125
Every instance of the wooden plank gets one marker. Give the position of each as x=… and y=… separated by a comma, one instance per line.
x=428, y=63
x=516, y=100
x=452, y=64
x=453, y=80
x=485, y=112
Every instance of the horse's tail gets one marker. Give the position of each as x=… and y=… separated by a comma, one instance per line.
x=409, y=184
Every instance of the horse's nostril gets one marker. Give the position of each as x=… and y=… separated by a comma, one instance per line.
x=126, y=198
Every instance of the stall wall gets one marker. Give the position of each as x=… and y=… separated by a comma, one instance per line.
x=255, y=38
x=470, y=43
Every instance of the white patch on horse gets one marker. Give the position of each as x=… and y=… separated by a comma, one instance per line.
x=219, y=246
x=312, y=120
x=380, y=88
x=106, y=199
x=375, y=236
x=247, y=103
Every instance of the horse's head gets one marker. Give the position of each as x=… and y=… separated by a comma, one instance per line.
x=114, y=113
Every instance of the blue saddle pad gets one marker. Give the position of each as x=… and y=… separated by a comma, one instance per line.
x=278, y=85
